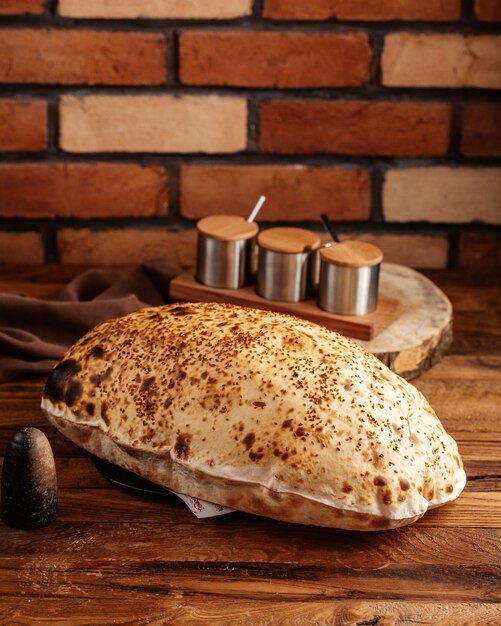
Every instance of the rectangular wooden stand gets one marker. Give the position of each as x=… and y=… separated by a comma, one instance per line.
x=185, y=287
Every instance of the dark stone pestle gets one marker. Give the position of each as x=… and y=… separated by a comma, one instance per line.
x=29, y=482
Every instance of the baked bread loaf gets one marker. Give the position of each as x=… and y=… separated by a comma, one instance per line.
x=258, y=411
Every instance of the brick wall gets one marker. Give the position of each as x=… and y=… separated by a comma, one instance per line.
x=122, y=123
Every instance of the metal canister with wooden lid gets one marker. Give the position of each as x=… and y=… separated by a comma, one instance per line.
x=287, y=264
x=226, y=251
x=349, y=277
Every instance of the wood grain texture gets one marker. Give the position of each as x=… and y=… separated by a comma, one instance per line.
x=223, y=542
x=352, y=254
x=472, y=510
x=115, y=556
x=247, y=581
x=185, y=610
x=288, y=240
x=227, y=227
x=36, y=290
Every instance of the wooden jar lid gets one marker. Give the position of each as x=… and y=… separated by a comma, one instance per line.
x=288, y=240
x=352, y=254
x=227, y=227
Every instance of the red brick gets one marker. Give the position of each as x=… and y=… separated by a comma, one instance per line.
x=481, y=135
x=122, y=247
x=21, y=7
x=81, y=57
x=293, y=192
x=377, y=10
x=21, y=248
x=488, y=10
x=271, y=59
x=480, y=252
x=82, y=190
x=23, y=125
x=355, y=127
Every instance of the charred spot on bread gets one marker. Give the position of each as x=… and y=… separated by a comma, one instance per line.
x=387, y=496
x=73, y=392
x=104, y=413
x=301, y=432
x=256, y=456
x=147, y=383
x=179, y=311
x=182, y=446
x=249, y=440
x=100, y=377
x=97, y=352
x=404, y=484
x=55, y=387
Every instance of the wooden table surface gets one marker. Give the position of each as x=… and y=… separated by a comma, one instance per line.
x=116, y=557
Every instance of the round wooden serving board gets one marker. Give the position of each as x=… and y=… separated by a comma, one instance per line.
x=422, y=331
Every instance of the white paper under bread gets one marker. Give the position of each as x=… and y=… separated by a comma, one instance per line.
x=201, y=508
x=256, y=411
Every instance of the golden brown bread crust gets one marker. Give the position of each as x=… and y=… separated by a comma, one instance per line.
x=259, y=411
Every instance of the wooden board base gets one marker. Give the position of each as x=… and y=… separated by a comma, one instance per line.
x=185, y=287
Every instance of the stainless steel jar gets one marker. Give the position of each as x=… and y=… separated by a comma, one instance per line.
x=226, y=251
x=287, y=264
x=349, y=277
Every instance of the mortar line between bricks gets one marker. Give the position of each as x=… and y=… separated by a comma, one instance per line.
x=257, y=10
x=173, y=62
x=376, y=204
x=467, y=10
x=248, y=158
x=52, y=127
x=253, y=126
x=367, y=92
x=377, y=43
x=50, y=9
x=453, y=248
x=182, y=223
x=251, y=24
x=456, y=131
x=49, y=241
x=174, y=191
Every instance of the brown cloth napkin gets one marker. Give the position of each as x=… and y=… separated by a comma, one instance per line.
x=34, y=334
